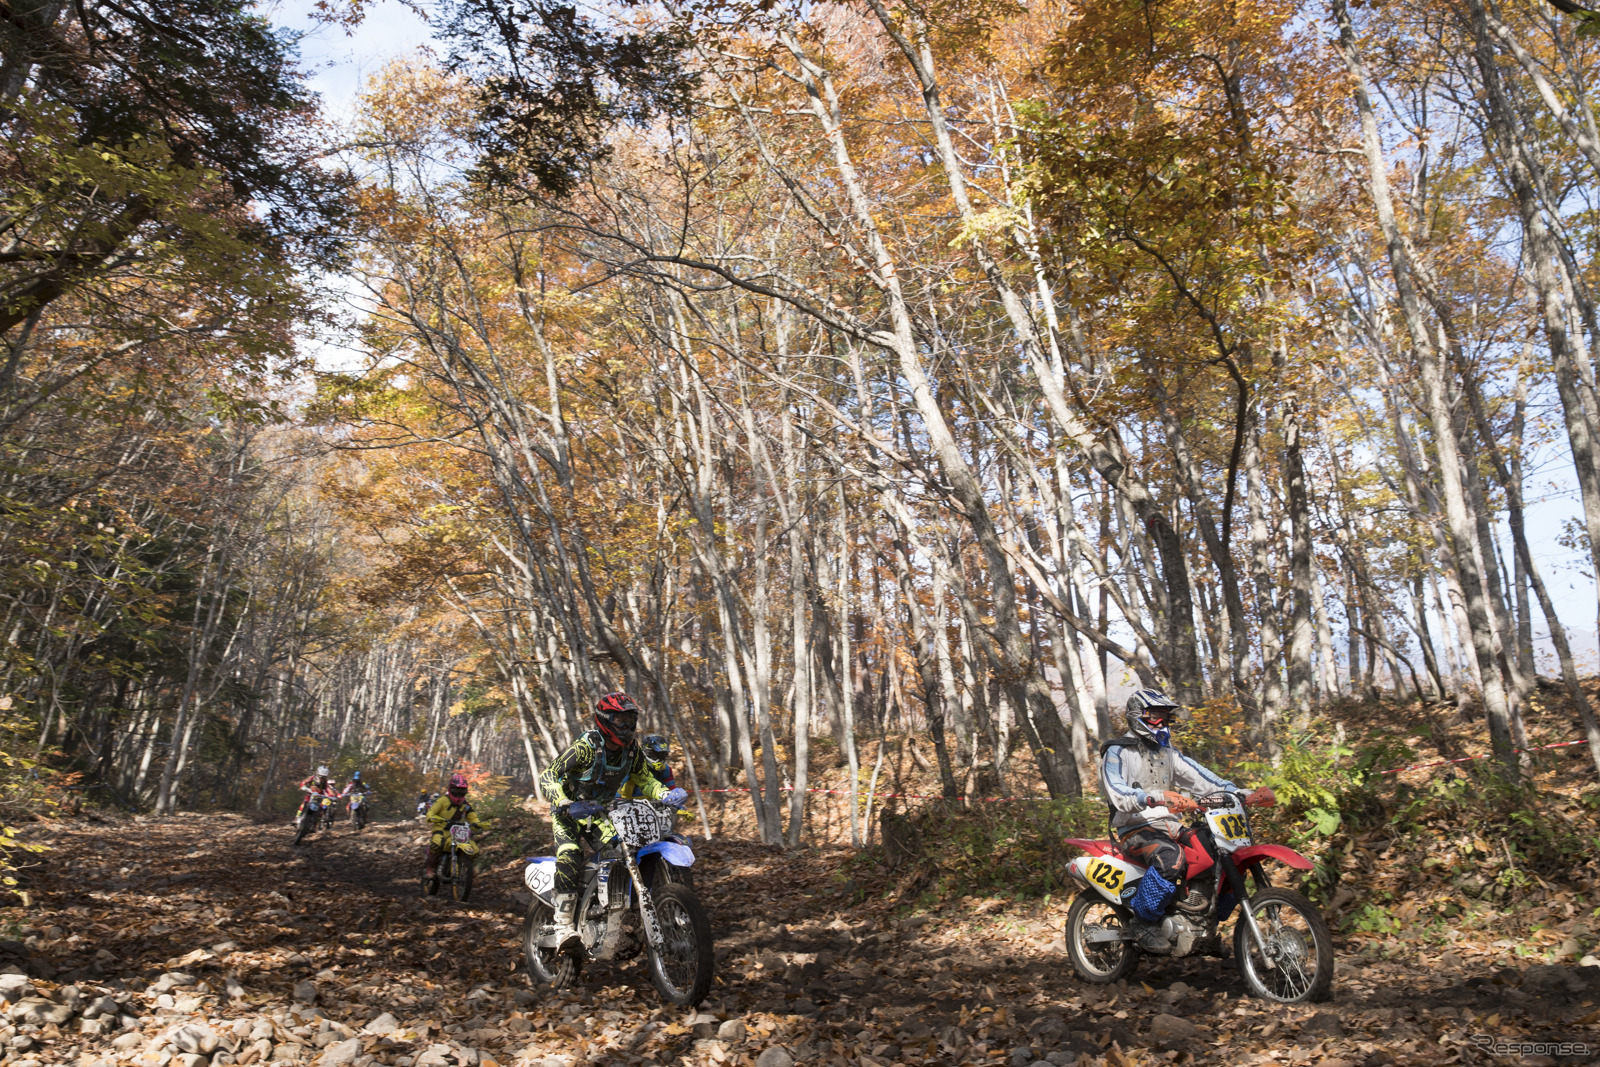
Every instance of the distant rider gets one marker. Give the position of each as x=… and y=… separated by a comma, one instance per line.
x=579, y=783
x=452, y=807
x=655, y=758
x=356, y=785
x=1139, y=775
x=319, y=784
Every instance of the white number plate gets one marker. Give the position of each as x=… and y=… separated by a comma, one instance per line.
x=1228, y=827
x=461, y=833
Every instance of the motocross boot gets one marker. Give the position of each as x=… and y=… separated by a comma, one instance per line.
x=566, y=931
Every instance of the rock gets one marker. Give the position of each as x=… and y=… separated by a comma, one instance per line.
x=305, y=992
x=1546, y=978
x=13, y=987
x=195, y=1038
x=262, y=1030
x=191, y=1059
x=383, y=1024
x=775, y=1057
x=235, y=990
x=222, y=948
x=1589, y=961
x=1165, y=1027
x=1323, y=1022
x=434, y=1056
x=1061, y=1058
x=131, y=1039
x=101, y=1006
x=733, y=1031
x=38, y=1011
x=342, y=1053
x=1021, y=1057
x=91, y=1027
x=176, y=980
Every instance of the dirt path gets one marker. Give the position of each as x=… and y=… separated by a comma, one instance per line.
x=282, y=954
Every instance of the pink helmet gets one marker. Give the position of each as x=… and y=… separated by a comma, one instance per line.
x=457, y=787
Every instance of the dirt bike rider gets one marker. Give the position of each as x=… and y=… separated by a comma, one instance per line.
x=580, y=781
x=321, y=784
x=655, y=758
x=452, y=807
x=356, y=785
x=1139, y=773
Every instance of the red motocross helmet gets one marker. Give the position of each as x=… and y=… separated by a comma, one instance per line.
x=457, y=787
x=616, y=716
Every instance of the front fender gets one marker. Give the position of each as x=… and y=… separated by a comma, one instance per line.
x=1252, y=854
x=671, y=851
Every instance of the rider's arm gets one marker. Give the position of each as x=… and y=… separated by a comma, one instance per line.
x=1119, y=793
x=439, y=814
x=571, y=763
x=1193, y=778
x=645, y=784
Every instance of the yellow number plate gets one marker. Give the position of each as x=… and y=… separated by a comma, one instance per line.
x=1106, y=874
x=1229, y=827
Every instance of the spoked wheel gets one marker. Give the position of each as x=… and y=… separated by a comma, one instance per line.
x=461, y=884
x=303, y=829
x=547, y=967
x=1101, y=962
x=1298, y=948
x=430, y=886
x=681, y=970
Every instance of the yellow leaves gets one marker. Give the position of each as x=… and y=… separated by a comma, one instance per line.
x=996, y=221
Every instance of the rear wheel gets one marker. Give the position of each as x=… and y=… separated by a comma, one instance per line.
x=1100, y=962
x=681, y=967
x=1298, y=948
x=547, y=967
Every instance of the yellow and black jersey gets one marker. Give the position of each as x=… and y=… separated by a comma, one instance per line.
x=586, y=771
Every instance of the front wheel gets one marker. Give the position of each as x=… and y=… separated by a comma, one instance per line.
x=1097, y=961
x=304, y=828
x=547, y=967
x=1298, y=947
x=430, y=886
x=461, y=884
x=681, y=968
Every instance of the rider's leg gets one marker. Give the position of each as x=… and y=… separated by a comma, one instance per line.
x=569, y=868
x=435, y=850
x=1165, y=868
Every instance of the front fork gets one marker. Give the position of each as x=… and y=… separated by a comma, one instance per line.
x=1236, y=883
x=647, y=904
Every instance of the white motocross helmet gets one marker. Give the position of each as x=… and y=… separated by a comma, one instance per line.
x=1143, y=703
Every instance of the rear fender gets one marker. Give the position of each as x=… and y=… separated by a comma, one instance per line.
x=1251, y=855
x=1109, y=876
x=1093, y=848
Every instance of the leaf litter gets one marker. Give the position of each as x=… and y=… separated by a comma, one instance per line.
x=203, y=941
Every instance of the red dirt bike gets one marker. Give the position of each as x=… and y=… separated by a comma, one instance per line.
x=1281, y=943
x=316, y=813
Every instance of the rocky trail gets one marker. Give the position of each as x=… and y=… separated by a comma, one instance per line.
x=203, y=941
